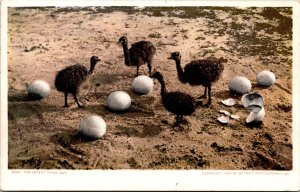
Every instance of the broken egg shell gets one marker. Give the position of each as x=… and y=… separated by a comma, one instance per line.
x=224, y=112
x=223, y=119
x=252, y=99
x=254, y=108
x=256, y=117
x=229, y=102
x=234, y=116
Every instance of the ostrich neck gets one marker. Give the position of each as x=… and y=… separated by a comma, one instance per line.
x=180, y=72
x=92, y=68
x=163, y=90
x=126, y=54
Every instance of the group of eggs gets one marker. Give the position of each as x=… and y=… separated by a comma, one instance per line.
x=242, y=85
x=95, y=127
x=253, y=102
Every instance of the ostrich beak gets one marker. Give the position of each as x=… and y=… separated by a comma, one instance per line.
x=170, y=58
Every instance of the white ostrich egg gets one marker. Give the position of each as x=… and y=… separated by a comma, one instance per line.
x=118, y=101
x=93, y=127
x=38, y=89
x=265, y=78
x=142, y=84
x=240, y=84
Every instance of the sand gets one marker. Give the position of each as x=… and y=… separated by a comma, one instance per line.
x=44, y=135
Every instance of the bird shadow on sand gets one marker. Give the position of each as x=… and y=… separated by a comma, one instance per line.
x=140, y=107
x=21, y=106
x=141, y=130
x=224, y=94
x=67, y=138
x=109, y=79
x=18, y=96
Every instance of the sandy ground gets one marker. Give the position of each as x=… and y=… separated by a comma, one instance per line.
x=43, y=135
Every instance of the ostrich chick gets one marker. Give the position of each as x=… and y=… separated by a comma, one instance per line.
x=200, y=72
x=176, y=102
x=140, y=53
x=70, y=79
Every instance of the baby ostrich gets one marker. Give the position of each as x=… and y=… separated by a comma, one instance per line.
x=140, y=53
x=70, y=79
x=176, y=102
x=200, y=72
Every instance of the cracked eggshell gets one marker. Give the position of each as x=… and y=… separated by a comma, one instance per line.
x=142, y=84
x=225, y=112
x=234, y=116
x=252, y=100
x=229, y=102
x=118, y=101
x=256, y=117
x=38, y=89
x=265, y=78
x=240, y=85
x=223, y=119
x=93, y=127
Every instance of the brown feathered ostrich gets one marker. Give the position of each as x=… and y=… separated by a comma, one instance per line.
x=140, y=53
x=200, y=72
x=176, y=102
x=70, y=79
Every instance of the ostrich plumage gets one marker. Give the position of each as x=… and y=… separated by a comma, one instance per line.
x=200, y=72
x=140, y=53
x=70, y=79
x=178, y=103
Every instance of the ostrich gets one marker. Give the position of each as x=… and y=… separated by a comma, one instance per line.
x=176, y=102
x=140, y=53
x=200, y=72
x=70, y=79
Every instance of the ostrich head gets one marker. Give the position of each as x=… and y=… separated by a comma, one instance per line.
x=123, y=40
x=223, y=60
x=158, y=76
x=175, y=56
x=94, y=60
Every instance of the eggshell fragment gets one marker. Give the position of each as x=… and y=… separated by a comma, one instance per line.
x=252, y=99
x=234, y=116
x=225, y=112
x=229, y=102
x=256, y=117
x=223, y=119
